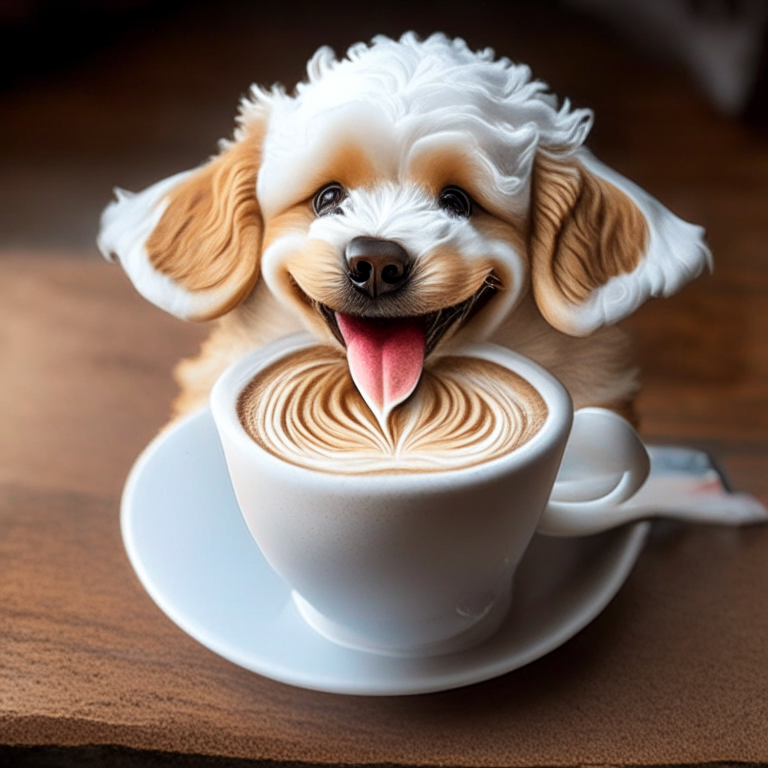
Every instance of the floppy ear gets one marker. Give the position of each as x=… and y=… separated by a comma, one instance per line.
x=191, y=243
x=600, y=246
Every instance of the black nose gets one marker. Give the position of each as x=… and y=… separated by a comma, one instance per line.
x=377, y=266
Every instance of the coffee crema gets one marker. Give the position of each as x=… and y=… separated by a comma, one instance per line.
x=306, y=410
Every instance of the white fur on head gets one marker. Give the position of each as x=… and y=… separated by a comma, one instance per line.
x=393, y=94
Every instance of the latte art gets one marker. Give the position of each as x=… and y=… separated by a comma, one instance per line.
x=306, y=410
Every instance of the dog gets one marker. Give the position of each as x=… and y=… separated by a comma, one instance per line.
x=407, y=199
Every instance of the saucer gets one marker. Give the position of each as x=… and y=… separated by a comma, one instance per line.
x=189, y=546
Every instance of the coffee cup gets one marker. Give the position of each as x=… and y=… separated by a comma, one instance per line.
x=420, y=563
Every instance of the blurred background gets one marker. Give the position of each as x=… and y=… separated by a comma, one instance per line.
x=96, y=94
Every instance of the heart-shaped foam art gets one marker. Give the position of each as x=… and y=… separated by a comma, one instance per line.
x=385, y=357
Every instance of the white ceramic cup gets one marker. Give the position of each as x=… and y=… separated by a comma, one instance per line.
x=417, y=564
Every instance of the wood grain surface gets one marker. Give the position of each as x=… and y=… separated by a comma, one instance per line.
x=674, y=671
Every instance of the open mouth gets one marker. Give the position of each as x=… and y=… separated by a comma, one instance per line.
x=435, y=324
x=386, y=355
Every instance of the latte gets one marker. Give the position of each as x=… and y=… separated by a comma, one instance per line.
x=306, y=410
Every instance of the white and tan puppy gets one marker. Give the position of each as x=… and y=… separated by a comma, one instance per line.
x=407, y=199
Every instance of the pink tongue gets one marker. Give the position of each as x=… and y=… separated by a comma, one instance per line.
x=385, y=358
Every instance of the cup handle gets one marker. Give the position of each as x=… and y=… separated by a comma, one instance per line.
x=605, y=463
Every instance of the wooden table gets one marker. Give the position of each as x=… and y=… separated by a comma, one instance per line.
x=674, y=671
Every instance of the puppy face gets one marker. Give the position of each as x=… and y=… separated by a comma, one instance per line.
x=413, y=240
x=401, y=203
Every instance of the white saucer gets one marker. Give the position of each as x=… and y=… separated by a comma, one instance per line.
x=188, y=543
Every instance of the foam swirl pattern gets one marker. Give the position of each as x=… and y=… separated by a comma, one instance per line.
x=306, y=410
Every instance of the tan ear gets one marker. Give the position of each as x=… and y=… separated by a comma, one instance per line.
x=600, y=246
x=191, y=243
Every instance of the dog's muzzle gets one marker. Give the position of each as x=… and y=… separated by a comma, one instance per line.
x=386, y=348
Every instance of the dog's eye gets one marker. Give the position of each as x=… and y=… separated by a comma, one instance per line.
x=455, y=201
x=328, y=199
